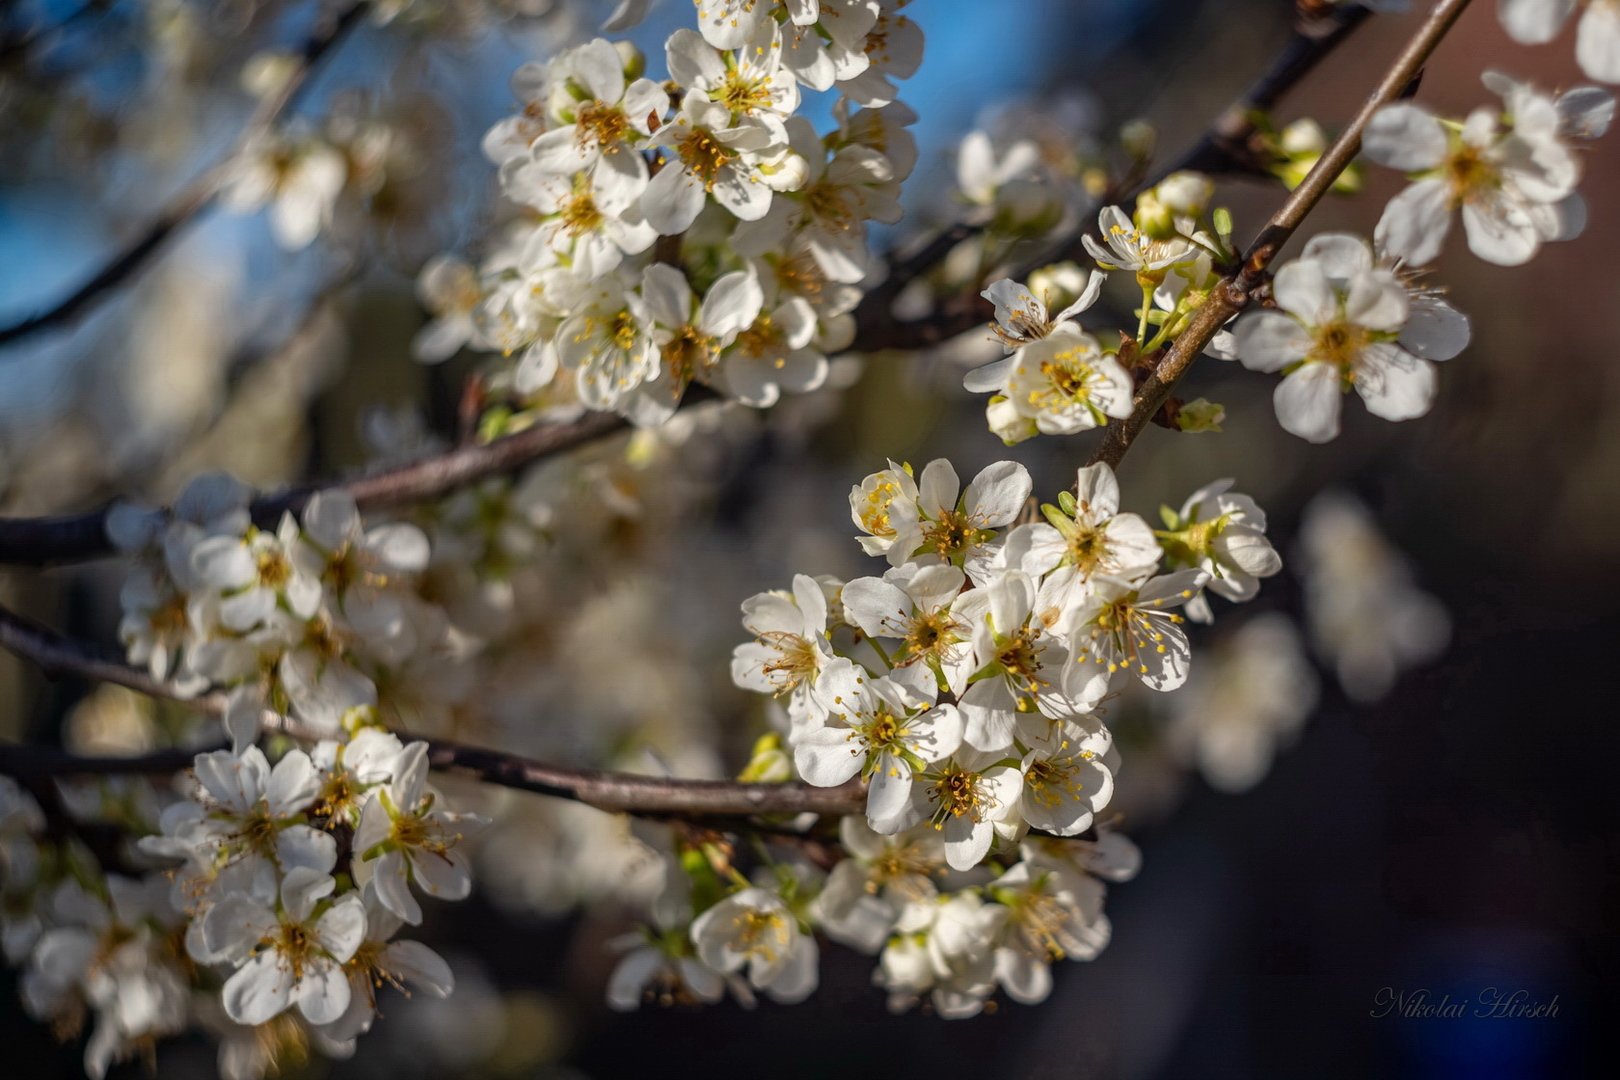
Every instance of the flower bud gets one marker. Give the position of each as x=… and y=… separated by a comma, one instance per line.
x=1006, y=424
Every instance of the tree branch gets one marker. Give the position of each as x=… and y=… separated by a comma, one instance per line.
x=1233, y=293
x=76, y=537
x=708, y=801
x=195, y=196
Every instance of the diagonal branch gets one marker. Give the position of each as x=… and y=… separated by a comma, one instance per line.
x=1233, y=293
x=195, y=197
x=643, y=796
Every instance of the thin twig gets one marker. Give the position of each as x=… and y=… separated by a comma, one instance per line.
x=643, y=796
x=196, y=196
x=1233, y=293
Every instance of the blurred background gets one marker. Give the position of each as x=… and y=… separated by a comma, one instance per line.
x=1449, y=827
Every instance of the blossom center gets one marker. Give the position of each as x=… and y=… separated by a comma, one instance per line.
x=296, y=947
x=1470, y=173
x=931, y=634
x=795, y=659
x=704, y=154
x=761, y=933
x=952, y=534
x=956, y=793
x=875, y=512
x=579, y=210
x=1049, y=781
x=605, y=125
x=743, y=95
x=1086, y=548
x=1340, y=343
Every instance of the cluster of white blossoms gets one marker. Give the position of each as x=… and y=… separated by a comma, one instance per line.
x=942, y=934
x=306, y=619
x=267, y=912
x=1347, y=314
x=1058, y=379
x=694, y=229
x=964, y=687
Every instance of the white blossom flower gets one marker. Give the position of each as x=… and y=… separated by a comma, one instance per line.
x=1434, y=330
x=1086, y=535
x=448, y=288
x=879, y=729
x=1066, y=779
x=790, y=647
x=749, y=82
x=753, y=929
x=830, y=48
x=658, y=960
x=608, y=342
x=1224, y=535
x=591, y=229
x=1024, y=672
x=107, y=954
x=913, y=604
x=289, y=955
x=690, y=336
x=1509, y=176
x=599, y=131
x=727, y=24
x=970, y=798
x=1366, y=616
x=982, y=171
x=254, y=573
x=535, y=89
x=884, y=507
x=947, y=524
x=1064, y=384
x=300, y=177
x=380, y=961
x=1022, y=317
x=405, y=837
x=826, y=214
x=349, y=769
x=894, y=50
x=1122, y=626
x=1125, y=247
x=866, y=891
x=774, y=355
x=1330, y=335
x=357, y=565
x=1049, y=917
x=247, y=816
x=708, y=152
x=942, y=948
